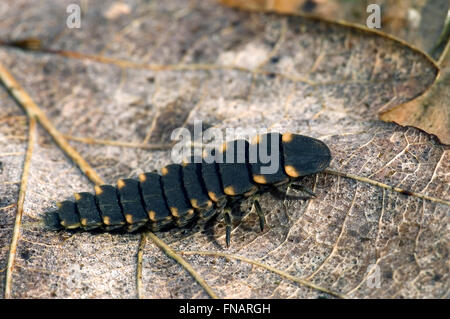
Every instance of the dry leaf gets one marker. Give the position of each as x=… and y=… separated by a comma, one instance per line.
x=419, y=22
x=281, y=6
x=430, y=112
x=228, y=69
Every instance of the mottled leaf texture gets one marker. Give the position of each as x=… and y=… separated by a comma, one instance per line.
x=431, y=111
x=198, y=60
x=419, y=22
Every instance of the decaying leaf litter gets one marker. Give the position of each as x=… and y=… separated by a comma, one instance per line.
x=421, y=23
x=431, y=111
x=232, y=69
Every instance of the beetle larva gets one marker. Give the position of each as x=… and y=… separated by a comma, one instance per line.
x=195, y=190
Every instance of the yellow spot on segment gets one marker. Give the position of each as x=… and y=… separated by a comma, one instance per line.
x=194, y=203
x=73, y=226
x=260, y=179
x=255, y=139
x=291, y=171
x=224, y=147
x=174, y=211
x=63, y=223
x=106, y=220
x=190, y=212
x=77, y=196
x=58, y=204
x=164, y=171
x=229, y=190
x=152, y=215
x=206, y=153
x=98, y=190
x=120, y=184
x=251, y=191
x=209, y=204
x=287, y=137
x=213, y=196
x=129, y=218
x=142, y=177
x=83, y=221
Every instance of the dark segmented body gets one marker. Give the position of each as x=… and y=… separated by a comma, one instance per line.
x=185, y=192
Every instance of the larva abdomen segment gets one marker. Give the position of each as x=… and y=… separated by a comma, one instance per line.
x=183, y=193
x=87, y=209
x=267, y=149
x=110, y=210
x=68, y=214
x=172, y=182
x=154, y=201
x=234, y=169
x=195, y=189
x=131, y=204
x=212, y=181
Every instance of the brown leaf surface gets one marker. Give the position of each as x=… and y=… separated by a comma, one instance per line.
x=431, y=111
x=229, y=69
x=419, y=22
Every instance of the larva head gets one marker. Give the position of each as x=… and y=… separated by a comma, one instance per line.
x=304, y=155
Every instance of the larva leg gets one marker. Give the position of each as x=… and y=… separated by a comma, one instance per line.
x=228, y=223
x=257, y=207
x=301, y=187
x=281, y=195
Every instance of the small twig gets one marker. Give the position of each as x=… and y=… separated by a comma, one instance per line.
x=12, y=154
x=20, y=201
x=31, y=44
x=161, y=67
x=8, y=207
x=382, y=185
x=140, y=254
x=33, y=111
x=174, y=255
x=272, y=269
x=89, y=140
